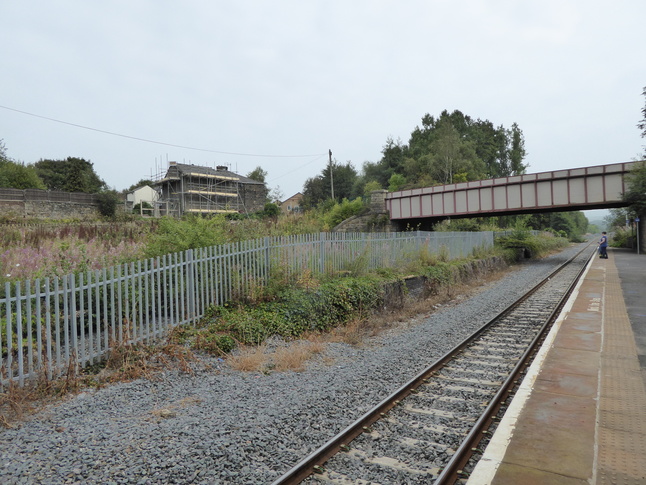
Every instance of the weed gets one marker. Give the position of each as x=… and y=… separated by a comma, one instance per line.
x=284, y=358
x=249, y=359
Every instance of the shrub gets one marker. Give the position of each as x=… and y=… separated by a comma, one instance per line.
x=294, y=311
x=340, y=212
x=192, y=232
x=108, y=201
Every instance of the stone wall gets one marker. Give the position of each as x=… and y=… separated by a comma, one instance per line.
x=419, y=287
x=48, y=210
x=375, y=219
x=45, y=204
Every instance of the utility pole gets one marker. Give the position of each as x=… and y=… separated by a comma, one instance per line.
x=331, y=176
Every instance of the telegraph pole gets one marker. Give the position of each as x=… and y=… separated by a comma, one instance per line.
x=331, y=176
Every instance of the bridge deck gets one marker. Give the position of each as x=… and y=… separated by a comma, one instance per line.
x=595, y=187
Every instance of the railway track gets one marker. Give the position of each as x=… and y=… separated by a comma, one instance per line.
x=429, y=429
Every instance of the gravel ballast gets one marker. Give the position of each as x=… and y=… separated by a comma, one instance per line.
x=224, y=426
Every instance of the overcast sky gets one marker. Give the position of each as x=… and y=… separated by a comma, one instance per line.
x=276, y=84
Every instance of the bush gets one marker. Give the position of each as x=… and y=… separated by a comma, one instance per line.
x=108, y=203
x=137, y=209
x=622, y=238
x=192, y=232
x=293, y=312
x=531, y=246
x=340, y=212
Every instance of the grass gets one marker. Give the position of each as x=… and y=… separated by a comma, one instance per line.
x=292, y=357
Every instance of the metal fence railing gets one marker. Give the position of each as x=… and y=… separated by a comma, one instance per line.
x=48, y=324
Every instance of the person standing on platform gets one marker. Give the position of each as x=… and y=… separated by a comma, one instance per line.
x=603, y=246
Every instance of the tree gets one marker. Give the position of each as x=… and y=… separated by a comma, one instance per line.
x=642, y=124
x=108, y=201
x=370, y=187
x=635, y=196
x=396, y=182
x=497, y=152
x=17, y=175
x=517, y=151
x=392, y=161
x=318, y=189
x=452, y=154
x=70, y=175
x=258, y=174
x=276, y=195
x=574, y=223
x=314, y=192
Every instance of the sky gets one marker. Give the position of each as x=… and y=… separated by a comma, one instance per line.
x=133, y=84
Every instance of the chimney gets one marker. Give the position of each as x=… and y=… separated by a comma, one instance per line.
x=220, y=168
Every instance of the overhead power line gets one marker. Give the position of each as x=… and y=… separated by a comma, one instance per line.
x=154, y=141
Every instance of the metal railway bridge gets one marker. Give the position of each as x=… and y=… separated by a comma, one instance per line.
x=598, y=187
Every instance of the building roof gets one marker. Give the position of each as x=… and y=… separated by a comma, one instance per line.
x=177, y=169
x=297, y=195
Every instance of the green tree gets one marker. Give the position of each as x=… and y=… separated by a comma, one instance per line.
x=396, y=182
x=17, y=175
x=642, y=124
x=517, y=152
x=452, y=154
x=318, y=189
x=258, y=174
x=635, y=196
x=497, y=152
x=371, y=187
x=108, y=201
x=70, y=175
x=392, y=161
x=574, y=223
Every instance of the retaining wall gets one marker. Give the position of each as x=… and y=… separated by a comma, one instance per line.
x=420, y=287
x=44, y=204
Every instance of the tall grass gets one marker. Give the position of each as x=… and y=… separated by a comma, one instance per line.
x=39, y=251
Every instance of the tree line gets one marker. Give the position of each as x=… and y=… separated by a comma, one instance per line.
x=451, y=148
x=69, y=175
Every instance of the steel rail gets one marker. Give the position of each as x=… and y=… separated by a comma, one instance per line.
x=313, y=462
x=453, y=469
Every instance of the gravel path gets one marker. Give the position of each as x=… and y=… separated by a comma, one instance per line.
x=223, y=426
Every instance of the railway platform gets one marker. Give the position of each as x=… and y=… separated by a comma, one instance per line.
x=579, y=416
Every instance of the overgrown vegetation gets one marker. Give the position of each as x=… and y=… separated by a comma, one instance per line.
x=522, y=244
x=290, y=307
x=287, y=311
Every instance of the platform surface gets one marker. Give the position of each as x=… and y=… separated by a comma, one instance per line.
x=580, y=414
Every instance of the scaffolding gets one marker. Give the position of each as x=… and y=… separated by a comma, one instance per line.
x=186, y=189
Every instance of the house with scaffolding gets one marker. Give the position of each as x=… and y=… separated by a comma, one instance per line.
x=193, y=189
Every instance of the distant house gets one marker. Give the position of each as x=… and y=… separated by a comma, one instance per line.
x=293, y=204
x=140, y=195
x=187, y=189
